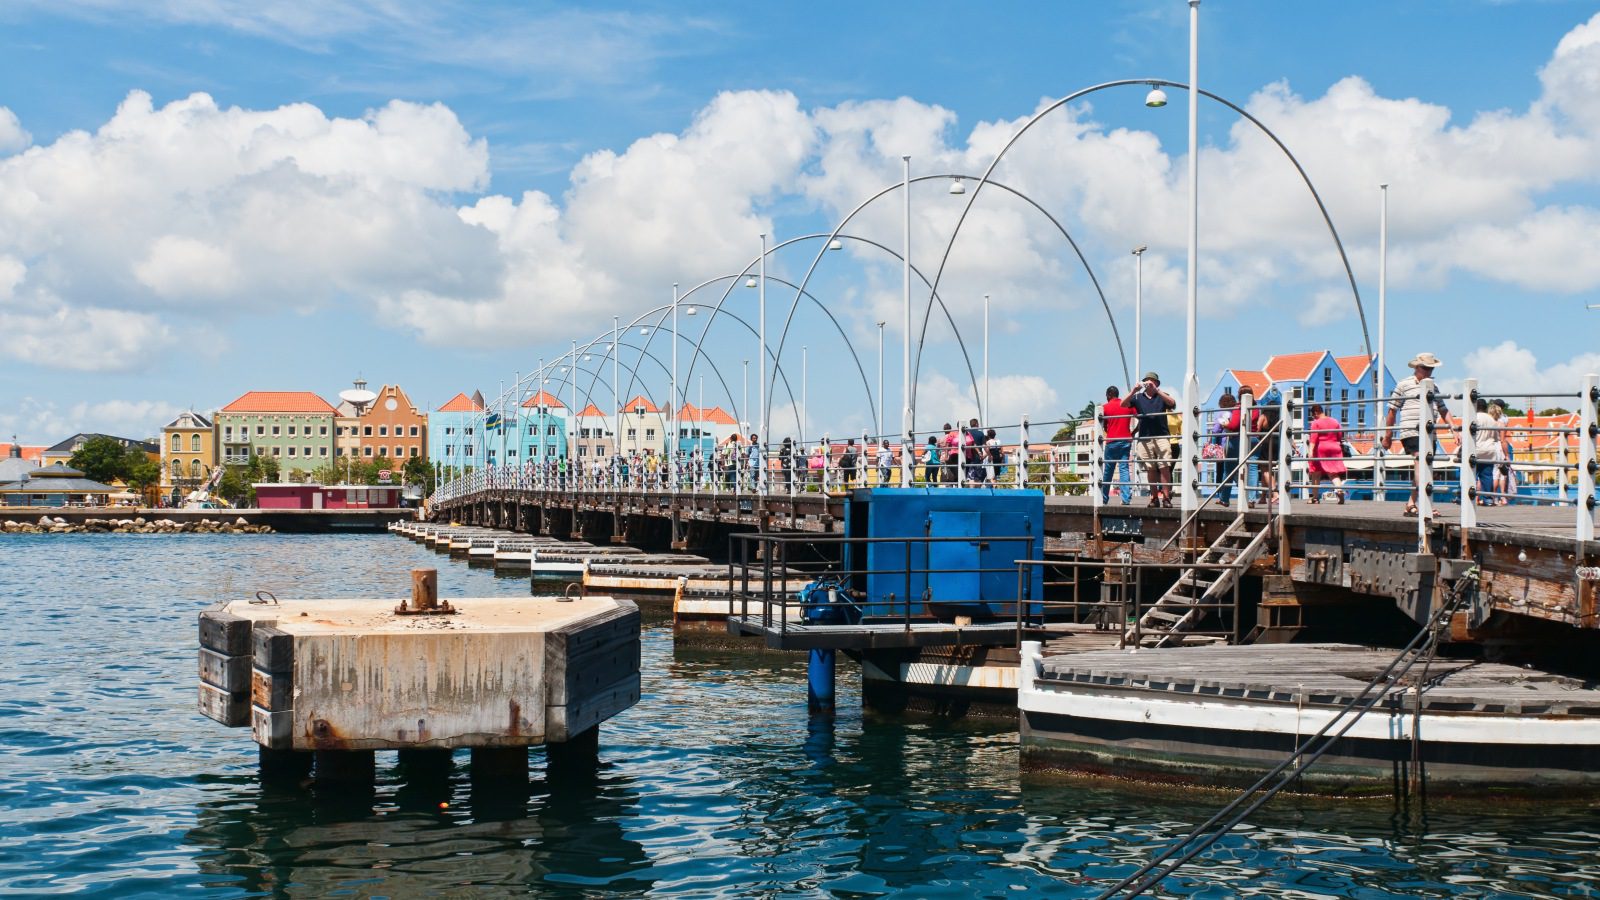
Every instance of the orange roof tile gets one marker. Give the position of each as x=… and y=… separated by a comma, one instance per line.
x=640, y=401
x=1293, y=366
x=689, y=413
x=1353, y=367
x=461, y=403
x=279, y=402
x=31, y=452
x=717, y=416
x=543, y=398
x=1257, y=381
x=591, y=412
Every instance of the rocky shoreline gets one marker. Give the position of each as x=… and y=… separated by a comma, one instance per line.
x=140, y=525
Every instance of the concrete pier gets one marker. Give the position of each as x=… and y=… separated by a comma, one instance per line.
x=338, y=679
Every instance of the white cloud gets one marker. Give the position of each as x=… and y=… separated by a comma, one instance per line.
x=13, y=136
x=1507, y=367
x=43, y=421
x=84, y=339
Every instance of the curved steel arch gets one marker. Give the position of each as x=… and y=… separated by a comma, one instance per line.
x=1088, y=269
x=1084, y=92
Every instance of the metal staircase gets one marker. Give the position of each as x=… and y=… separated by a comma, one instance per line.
x=1199, y=590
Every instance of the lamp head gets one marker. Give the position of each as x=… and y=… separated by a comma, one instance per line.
x=750, y=282
x=1139, y=250
x=692, y=310
x=1156, y=99
x=956, y=187
x=836, y=244
x=644, y=331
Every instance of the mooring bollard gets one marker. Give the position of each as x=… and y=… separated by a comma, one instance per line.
x=424, y=589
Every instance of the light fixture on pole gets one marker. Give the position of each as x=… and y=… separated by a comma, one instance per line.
x=616, y=385
x=672, y=396
x=956, y=187
x=744, y=404
x=836, y=244
x=906, y=438
x=750, y=282
x=1156, y=99
x=761, y=350
x=882, y=431
x=1190, y=495
x=1138, y=306
x=804, y=405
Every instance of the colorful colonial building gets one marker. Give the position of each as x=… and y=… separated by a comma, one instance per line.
x=455, y=433
x=294, y=427
x=541, y=430
x=393, y=427
x=188, y=455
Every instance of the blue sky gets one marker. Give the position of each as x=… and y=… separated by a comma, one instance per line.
x=201, y=199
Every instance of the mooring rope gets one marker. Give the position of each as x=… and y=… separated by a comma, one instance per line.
x=1208, y=832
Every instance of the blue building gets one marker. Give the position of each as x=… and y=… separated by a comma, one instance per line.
x=541, y=429
x=456, y=434
x=1317, y=377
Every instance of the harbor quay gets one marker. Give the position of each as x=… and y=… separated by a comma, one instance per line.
x=1128, y=642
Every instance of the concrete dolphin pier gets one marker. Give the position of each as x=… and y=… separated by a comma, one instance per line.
x=336, y=680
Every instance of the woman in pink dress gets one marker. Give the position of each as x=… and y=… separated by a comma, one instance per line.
x=1326, y=452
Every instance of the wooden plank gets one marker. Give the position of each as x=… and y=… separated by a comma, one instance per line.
x=273, y=693
x=273, y=730
x=230, y=674
x=562, y=722
x=224, y=632
x=232, y=710
x=273, y=649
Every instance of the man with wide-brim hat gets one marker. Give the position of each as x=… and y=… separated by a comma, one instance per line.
x=1152, y=440
x=1407, y=404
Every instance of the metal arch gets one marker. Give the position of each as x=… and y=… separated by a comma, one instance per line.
x=1088, y=269
x=704, y=331
x=1326, y=218
x=776, y=369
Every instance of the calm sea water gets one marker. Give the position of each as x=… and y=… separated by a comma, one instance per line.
x=715, y=785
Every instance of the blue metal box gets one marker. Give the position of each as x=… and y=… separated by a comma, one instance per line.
x=957, y=554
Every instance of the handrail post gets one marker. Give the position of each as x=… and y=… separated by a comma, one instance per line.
x=1285, y=444
x=1586, y=459
x=1467, y=472
x=1423, y=480
x=1097, y=455
x=1242, y=474
x=1561, y=474
x=1021, y=475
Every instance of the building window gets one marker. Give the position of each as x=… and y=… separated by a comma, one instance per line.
x=649, y=434
x=274, y=431
x=468, y=432
x=366, y=431
x=1344, y=394
x=1361, y=416
x=337, y=451
x=227, y=433
x=291, y=431
x=260, y=430
x=468, y=449
x=194, y=468
x=177, y=443
x=1327, y=375
x=1361, y=394
x=583, y=451
x=399, y=452
x=449, y=449
x=177, y=468
x=414, y=432
x=306, y=452
x=1311, y=395
x=511, y=454
x=533, y=429
x=633, y=433
x=366, y=451
x=449, y=429
x=322, y=451
x=291, y=451
x=552, y=431
x=277, y=451
x=383, y=431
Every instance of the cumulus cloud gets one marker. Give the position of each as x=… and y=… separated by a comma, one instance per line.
x=1508, y=366
x=41, y=420
x=13, y=136
x=212, y=211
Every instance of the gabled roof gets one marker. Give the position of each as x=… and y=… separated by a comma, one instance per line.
x=461, y=403
x=31, y=452
x=637, y=402
x=543, y=398
x=71, y=444
x=1294, y=366
x=1353, y=367
x=190, y=419
x=1257, y=381
x=717, y=416
x=279, y=402
x=591, y=412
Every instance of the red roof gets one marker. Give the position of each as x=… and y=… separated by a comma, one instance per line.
x=591, y=412
x=1293, y=366
x=460, y=403
x=543, y=398
x=1353, y=367
x=716, y=416
x=637, y=402
x=1257, y=381
x=28, y=452
x=279, y=402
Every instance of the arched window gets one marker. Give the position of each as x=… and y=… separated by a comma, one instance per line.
x=177, y=443
x=194, y=443
x=194, y=468
x=177, y=468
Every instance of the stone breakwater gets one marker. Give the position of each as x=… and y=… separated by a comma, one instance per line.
x=59, y=525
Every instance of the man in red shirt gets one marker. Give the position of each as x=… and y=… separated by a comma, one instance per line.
x=1116, y=420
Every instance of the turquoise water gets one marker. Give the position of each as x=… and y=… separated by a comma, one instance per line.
x=715, y=785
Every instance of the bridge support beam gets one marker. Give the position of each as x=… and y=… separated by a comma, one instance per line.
x=820, y=681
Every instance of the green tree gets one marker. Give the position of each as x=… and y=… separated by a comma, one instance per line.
x=1555, y=411
x=419, y=471
x=102, y=459
x=142, y=471
x=233, y=487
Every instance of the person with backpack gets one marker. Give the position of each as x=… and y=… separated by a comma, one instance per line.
x=847, y=463
x=1153, y=437
x=950, y=450
x=972, y=441
x=995, y=457
x=930, y=462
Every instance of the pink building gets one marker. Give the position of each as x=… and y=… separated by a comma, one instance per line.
x=336, y=496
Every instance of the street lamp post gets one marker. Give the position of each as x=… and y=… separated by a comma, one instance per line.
x=761, y=348
x=986, y=412
x=1191, y=383
x=672, y=397
x=883, y=432
x=907, y=440
x=744, y=405
x=1138, y=306
x=616, y=385
x=1381, y=445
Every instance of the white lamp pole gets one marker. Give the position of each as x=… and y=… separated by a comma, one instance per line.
x=744, y=406
x=805, y=406
x=1138, y=308
x=883, y=431
x=1381, y=445
x=672, y=396
x=571, y=424
x=986, y=413
x=906, y=438
x=1191, y=383
x=616, y=385
x=761, y=351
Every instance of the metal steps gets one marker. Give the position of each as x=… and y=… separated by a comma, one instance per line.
x=1179, y=612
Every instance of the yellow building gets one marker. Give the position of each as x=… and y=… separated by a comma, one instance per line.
x=188, y=455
